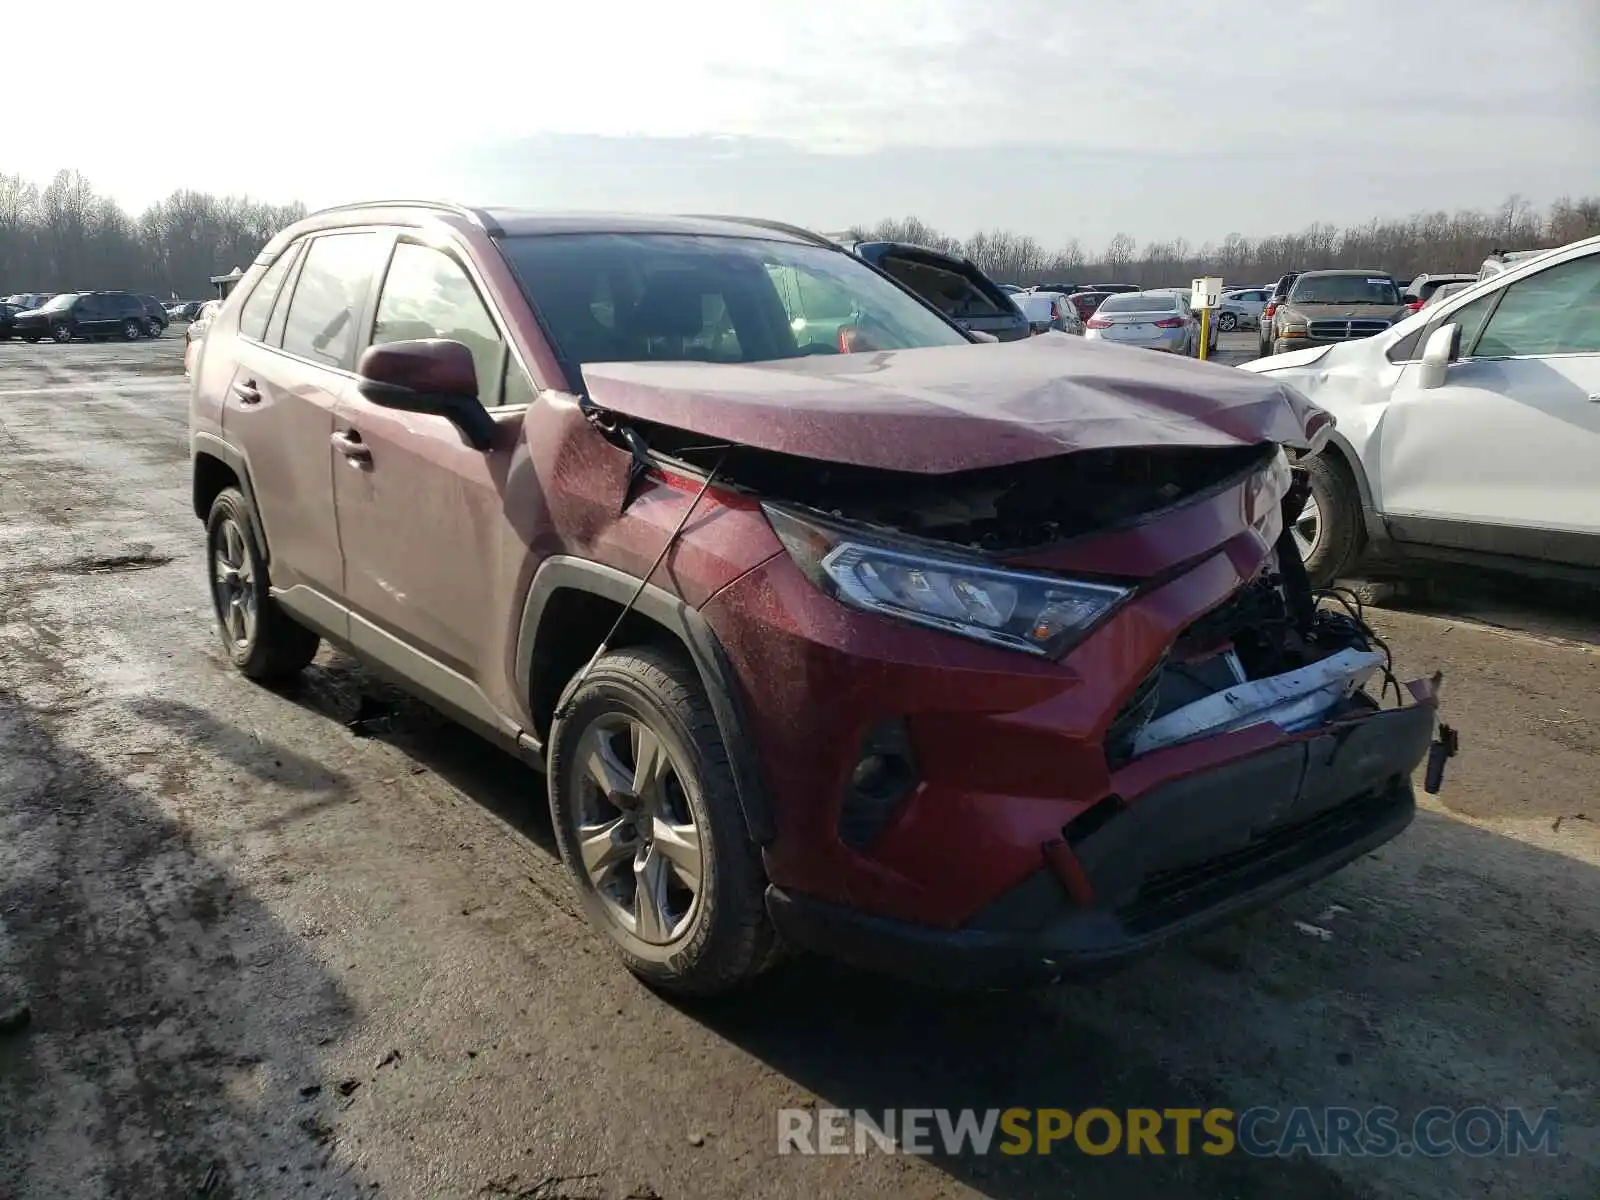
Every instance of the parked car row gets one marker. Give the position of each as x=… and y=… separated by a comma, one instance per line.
x=88, y=315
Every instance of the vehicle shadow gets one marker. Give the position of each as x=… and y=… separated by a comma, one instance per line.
x=174, y=1021
x=339, y=687
x=1543, y=607
x=1407, y=1002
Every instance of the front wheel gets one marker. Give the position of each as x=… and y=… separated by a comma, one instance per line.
x=154, y=329
x=62, y=332
x=1227, y=322
x=1329, y=532
x=648, y=820
x=261, y=639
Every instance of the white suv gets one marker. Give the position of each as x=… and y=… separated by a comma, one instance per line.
x=1469, y=431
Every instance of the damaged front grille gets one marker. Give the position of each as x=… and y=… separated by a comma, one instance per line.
x=1246, y=661
x=1014, y=508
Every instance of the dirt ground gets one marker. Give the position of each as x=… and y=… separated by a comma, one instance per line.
x=265, y=956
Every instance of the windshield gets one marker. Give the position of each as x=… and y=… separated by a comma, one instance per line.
x=1344, y=289
x=613, y=297
x=1137, y=302
x=62, y=301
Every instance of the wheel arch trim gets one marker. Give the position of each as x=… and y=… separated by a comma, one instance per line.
x=212, y=446
x=566, y=573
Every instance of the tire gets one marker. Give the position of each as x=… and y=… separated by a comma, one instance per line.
x=61, y=332
x=702, y=945
x=1342, y=533
x=267, y=644
x=154, y=329
x=132, y=331
x=1227, y=322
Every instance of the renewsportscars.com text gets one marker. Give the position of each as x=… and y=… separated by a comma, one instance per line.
x=1260, y=1132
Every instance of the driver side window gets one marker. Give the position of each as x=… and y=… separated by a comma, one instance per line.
x=427, y=294
x=1556, y=311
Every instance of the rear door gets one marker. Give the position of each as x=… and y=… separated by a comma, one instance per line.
x=89, y=316
x=1504, y=456
x=296, y=357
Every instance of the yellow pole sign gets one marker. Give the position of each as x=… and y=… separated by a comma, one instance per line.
x=1204, y=295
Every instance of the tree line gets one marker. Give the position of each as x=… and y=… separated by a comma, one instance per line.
x=67, y=237
x=1408, y=246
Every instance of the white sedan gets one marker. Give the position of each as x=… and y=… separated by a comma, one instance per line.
x=1469, y=431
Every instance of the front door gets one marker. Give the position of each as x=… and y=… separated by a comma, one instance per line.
x=419, y=509
x=1503, y=457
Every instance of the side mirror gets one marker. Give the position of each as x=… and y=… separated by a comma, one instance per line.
x=979, y=335
x=1442, y=348
x=430, y=375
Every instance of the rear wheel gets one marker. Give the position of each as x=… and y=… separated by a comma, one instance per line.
x=260, y=638
x=1329, y=532
x=1227, y=322
x=62, y=332
x=132, y=331
x=650, y=827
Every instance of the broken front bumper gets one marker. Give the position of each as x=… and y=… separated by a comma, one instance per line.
x=1188, y=854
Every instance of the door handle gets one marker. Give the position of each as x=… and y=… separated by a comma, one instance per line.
x=247, y=393
x=349, y=443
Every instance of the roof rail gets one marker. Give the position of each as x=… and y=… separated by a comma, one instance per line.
x=475, y=215
x=797, y=231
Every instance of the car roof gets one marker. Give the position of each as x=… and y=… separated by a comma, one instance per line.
x=1344, y=271
x=518, y=222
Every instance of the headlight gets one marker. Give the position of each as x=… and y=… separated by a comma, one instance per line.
x=1038, y=614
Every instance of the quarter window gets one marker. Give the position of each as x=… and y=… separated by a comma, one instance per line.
x=1556, y=311
x=253, y=316
x=328, y=297
x=427, y=294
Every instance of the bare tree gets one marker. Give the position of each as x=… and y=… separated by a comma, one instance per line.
x=67, y=237
x=1431, y=241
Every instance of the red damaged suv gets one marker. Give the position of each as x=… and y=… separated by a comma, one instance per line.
x=833, y=625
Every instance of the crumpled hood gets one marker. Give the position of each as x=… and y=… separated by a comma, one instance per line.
x=958, y=408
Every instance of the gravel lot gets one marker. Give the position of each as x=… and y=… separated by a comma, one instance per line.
x=268, y=957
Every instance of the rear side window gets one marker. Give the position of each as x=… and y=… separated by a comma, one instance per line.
x=258, y=307
x=328, y=296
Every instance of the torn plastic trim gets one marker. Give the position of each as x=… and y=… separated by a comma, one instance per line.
x=1293, y=700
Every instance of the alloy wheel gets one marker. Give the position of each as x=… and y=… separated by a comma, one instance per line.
x=637, y=840
x=1307, y=528
x=233, y=583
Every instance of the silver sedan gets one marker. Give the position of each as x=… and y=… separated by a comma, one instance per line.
x=1154, y=320
x=1241, y=309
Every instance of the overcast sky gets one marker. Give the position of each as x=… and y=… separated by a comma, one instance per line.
x=1056, y=118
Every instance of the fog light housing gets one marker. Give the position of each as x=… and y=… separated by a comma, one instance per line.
x=883, y=776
